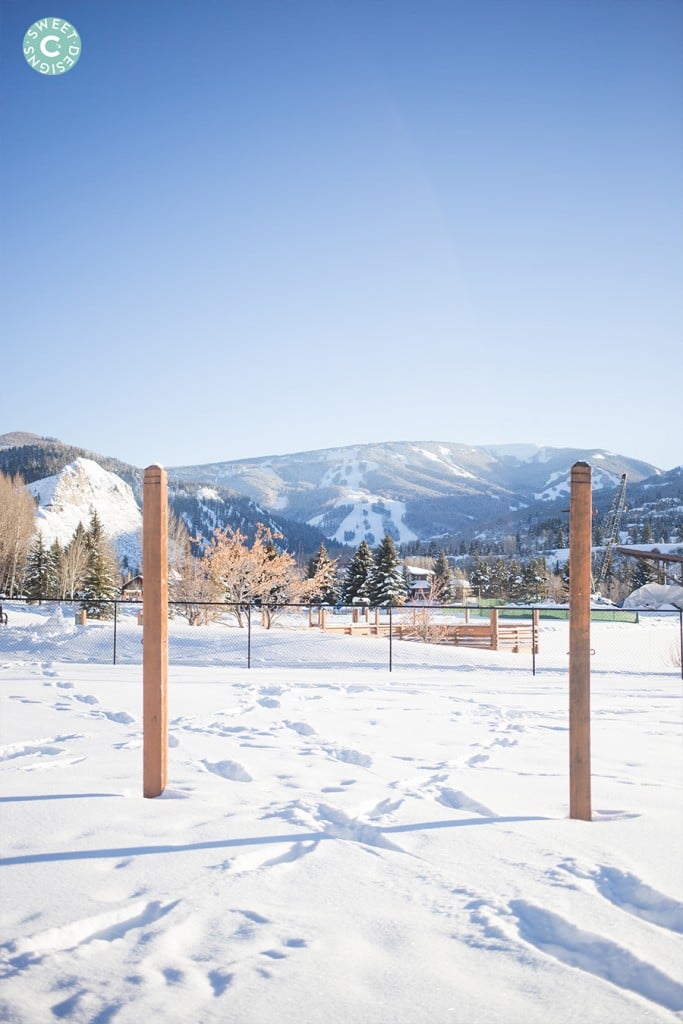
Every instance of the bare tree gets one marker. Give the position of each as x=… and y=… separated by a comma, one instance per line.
x=73, y=565
x=257, y=574
x=190, y=585
x=17, y=526
x=179, y=543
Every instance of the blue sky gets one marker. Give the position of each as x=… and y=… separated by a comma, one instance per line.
x=257, y=227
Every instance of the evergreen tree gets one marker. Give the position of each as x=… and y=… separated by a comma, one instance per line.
x=56, y=560
x=512, y=582
x=502, y=578
x=644, y=572
x=624, y=579
x=358, y=579
x=326, y=569
x=100, y=582
x=388, y=583
x=442, y=586
x=480, y=578
x=535, y=581
x=38, y=575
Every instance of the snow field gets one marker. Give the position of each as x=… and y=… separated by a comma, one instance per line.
x=340, y=845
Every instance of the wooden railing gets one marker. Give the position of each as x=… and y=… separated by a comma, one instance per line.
x=492, y=635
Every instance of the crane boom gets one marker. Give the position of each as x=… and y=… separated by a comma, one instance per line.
x=612, y=527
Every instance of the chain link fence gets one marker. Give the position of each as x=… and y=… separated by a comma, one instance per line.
x=515, y=639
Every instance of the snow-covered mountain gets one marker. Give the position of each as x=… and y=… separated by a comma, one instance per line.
x=69, y=498
x=424, y=490
x=411, y=489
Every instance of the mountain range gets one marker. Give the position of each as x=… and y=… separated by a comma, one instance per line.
x=419, y=492
x=414, y=490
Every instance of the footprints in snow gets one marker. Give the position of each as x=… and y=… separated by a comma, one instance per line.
x=174, y=953
x=106, y=927
x=501, y=927
x=230, y=770
x=263, y=947
x=554, y=935
x=49, y=747
x=628, y=892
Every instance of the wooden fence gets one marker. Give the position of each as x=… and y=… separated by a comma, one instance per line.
x=492, y=635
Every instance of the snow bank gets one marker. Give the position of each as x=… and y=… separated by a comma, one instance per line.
x=655, y=595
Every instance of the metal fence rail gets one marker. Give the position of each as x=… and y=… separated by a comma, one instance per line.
x=297, y=636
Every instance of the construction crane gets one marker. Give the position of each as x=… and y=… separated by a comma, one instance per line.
x=612, y=527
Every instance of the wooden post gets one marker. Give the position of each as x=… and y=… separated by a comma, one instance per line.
x=580, y=529
x=494, y=629
x=535, y=627
x=323, y=618
x=155, y=630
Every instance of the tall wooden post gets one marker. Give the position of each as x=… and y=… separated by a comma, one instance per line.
x=155, y=630
x=493, y=612
x=580, y=536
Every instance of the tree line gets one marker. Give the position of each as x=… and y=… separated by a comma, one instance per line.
x=246, y=570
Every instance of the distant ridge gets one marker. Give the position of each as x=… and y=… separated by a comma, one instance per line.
x=20, y=438
x=440, y=494
x=412, y=490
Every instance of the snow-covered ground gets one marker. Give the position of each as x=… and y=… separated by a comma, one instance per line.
x=342, y=844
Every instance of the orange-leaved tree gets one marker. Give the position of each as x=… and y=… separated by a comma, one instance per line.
x=257, y=574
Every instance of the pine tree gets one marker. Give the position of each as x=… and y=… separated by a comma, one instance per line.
x=644, y=572
x=56, y=559
x=38, y=575
x=359, y=575
x=535, y=582
x=388, y=583
x=480, y=578
x=326, y=569
x=100, y=583
x=512, y=588
x=442, y=586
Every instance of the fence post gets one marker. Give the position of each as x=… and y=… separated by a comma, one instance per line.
x=493, y=612
x=116, y=605
x=155, y=630
x=248, y=636
x=580, y=537
x=391, y=639
x=680, y=645
x=534, y=638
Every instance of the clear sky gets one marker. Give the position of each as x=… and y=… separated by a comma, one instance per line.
x=250, y=227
